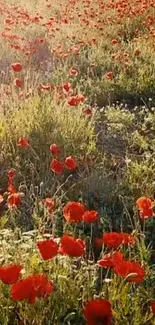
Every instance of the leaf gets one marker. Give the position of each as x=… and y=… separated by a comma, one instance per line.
x=3, y=221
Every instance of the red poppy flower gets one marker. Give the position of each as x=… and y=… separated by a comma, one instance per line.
x=88, y=111
x=81, y=98
x=18, y=83
x=73, y=72
x=11, y=173
x=48, y=248
x=70, y=163
x=34, y=286
x=117, y=257
x=109, y=75
x=127, y=239
x=145, y=207
x=46, y=87
x=14, y=199
x=153, y=307
x=67, y=87
x=137, y=52
x=11, y=189
x=17, y=67
x=73, y=101
x=98, y=312
x=106, y=262
x=71, y=246
x=114, y=239
x=90, y=216
x=56, y=166
x=23, y=142
x=114, y=41
x=10, y=274
x=109, y=260
x=54, y=148
x=49, y=203
x=73, y=211
x=132, y=271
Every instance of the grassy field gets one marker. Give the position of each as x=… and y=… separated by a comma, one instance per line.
x=77, y=162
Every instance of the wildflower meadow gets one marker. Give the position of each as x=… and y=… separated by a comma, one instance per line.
x=77, y=162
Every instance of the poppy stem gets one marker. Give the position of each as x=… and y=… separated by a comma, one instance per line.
x=35, y=154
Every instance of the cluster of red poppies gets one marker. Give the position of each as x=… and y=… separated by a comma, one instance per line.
x=65, y=89
x=38, y=286
x=56, y=166
x=130, y=270
x=92, y=15
x=30, y=288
